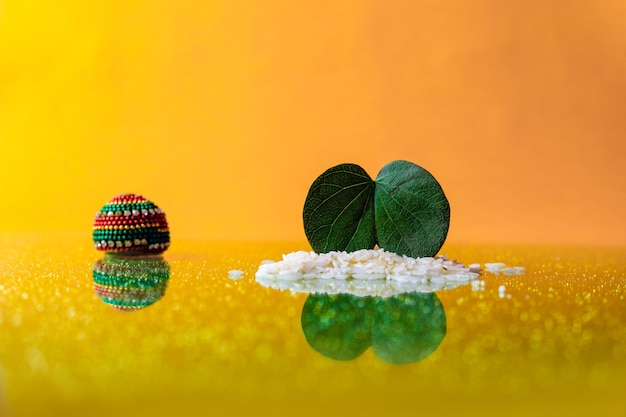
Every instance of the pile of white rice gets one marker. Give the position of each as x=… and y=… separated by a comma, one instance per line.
x=365, y=272
x=371, y=272
x=374, y=264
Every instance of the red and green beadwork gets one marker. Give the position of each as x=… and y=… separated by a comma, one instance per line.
x=129, y=224
x=130, y=284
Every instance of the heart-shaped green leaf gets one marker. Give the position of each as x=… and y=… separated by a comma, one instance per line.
x=412, y=212
x=339, y=210
x=404, y=211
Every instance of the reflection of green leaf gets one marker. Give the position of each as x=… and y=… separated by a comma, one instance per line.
x=408, y=327
x=338, y=326
x=401, y=329
x=412, y=212
x=404, y=211
x=339, y=210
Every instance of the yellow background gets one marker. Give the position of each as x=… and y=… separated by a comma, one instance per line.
x=224, y=112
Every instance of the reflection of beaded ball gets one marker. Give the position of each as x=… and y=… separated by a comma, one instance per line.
x=130, y=224
x=130, y=283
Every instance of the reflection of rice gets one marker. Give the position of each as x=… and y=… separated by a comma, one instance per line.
x=359, y=287
x=366, y=272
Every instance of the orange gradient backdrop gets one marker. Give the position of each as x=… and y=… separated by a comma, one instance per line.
x=224, y=112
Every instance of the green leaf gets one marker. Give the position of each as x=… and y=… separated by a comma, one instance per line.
x=339, y=210
x=412, y=211
x=404, y=211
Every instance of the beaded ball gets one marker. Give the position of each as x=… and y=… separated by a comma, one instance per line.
x=130, y=284
x=129, y=224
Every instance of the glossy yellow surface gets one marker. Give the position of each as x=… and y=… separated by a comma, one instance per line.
x=555, y=344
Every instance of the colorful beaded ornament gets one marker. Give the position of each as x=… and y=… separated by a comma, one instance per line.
x=130, y=284
x=131, y=225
